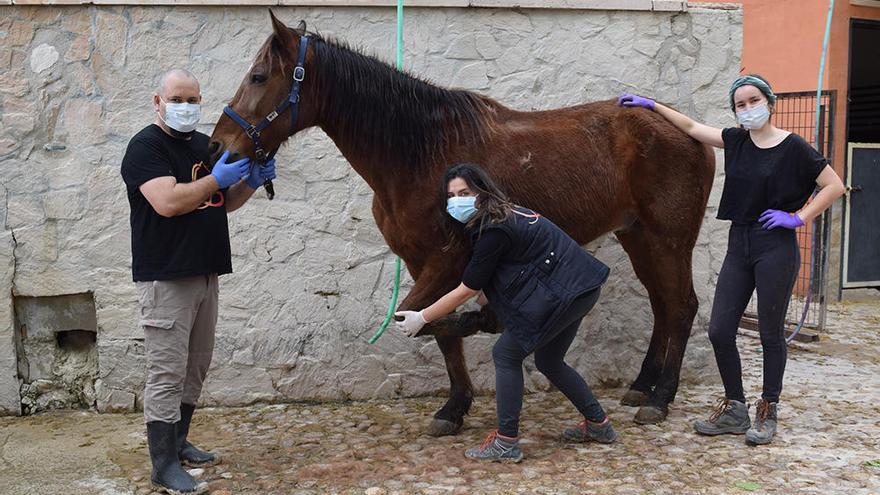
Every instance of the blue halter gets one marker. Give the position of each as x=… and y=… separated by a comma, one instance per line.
x=292, y=101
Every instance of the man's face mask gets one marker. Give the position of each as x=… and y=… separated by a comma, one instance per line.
x=181, y=117
x=753, y=118
x=461, y=208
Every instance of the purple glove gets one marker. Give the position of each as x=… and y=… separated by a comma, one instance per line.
x=631, y=100
x=778, y=218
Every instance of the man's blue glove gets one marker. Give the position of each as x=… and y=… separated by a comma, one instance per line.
x=258, y=175
x=227, y=174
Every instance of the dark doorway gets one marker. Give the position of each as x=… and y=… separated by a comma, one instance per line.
x=861, y=260
x=864, y=82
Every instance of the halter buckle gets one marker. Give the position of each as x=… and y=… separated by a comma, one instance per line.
x=299, y=73
x=251, y=132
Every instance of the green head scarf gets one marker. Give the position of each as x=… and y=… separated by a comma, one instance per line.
x=757, y=82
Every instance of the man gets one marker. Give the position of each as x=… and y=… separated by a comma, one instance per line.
x=180, y=244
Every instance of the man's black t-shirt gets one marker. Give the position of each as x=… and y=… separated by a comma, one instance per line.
x=757, y=179
x=163, y=248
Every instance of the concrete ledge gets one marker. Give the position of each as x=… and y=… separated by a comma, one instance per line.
x=866, y=3
x=647, y=5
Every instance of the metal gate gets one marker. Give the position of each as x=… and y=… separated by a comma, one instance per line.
x=796, y=112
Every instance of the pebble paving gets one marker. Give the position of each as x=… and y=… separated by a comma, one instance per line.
x=829, y=435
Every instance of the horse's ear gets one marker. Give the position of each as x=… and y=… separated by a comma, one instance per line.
x=282, y=33
x=277, y=26
x=301, y=28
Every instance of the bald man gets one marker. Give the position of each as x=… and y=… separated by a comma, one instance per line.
x=179, y=247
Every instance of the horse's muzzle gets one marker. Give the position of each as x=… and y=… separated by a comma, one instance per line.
x=215, y=151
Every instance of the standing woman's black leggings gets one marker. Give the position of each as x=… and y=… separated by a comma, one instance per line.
x=766, y=260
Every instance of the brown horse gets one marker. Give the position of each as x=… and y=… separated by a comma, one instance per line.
x=591, y=169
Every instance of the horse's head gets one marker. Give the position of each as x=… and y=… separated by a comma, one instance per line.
x=254, y=110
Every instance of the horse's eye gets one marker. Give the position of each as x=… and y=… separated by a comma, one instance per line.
x=258, y=78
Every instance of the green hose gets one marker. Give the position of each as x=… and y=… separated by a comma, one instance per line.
x=390, y=313
x=391, y=306
x=399, y=34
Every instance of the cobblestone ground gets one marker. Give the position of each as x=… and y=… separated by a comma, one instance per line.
x=830, y=426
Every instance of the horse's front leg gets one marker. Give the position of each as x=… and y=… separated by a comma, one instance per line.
x=449, y=332
x=463, y=324
x=432, y=282
x=450, y=418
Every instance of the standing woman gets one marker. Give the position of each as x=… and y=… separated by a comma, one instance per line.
x=769, y=175
x=541, y=284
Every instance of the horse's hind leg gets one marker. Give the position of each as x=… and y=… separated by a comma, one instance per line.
x=676, y=294
x=663, y=265
x=636, y=248
x=652, y=365
x=449, y=419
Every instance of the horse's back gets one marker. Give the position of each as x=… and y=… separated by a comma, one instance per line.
x=597, y=167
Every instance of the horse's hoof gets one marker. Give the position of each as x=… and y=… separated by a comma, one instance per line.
x=634, y=398
x=441, y=427
x=650, y=415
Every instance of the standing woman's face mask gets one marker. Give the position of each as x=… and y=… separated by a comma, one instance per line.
x=461, y=201
x=751, y=107
x=753, y=118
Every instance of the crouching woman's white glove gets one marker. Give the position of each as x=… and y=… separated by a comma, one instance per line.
x=412, y=322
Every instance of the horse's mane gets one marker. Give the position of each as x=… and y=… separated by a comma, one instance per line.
x=408, y=121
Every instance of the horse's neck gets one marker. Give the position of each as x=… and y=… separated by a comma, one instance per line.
x=390, y=126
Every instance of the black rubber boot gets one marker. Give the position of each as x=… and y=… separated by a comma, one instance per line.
x=188, y=453
x=167, y=475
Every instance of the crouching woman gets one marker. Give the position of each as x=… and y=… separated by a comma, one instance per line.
x=541, y=284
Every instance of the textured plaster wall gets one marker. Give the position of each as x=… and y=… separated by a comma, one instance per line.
x=312, y=274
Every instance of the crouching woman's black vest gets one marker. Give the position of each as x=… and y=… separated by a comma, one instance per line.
x=536, y=281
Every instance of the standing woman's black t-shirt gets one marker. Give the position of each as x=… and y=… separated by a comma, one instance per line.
x=163, y=248
x=756, y=179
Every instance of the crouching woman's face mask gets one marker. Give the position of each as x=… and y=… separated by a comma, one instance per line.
x=461, y=208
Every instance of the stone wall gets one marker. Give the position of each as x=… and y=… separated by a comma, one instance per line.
x=312, y=274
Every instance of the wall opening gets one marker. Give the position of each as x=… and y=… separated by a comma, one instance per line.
x=56, y=344
x=75, y=340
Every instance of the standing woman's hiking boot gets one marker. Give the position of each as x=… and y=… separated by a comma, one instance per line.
x=765, y=423
x=167, y=475
x=729, y=416
x=189, y=454
x=588, y=431
x=497, y=447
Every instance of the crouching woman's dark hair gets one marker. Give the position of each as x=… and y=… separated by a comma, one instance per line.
x=492, y=204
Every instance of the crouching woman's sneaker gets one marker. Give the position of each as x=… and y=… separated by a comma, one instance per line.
x=497, y=447
x=589, y=431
